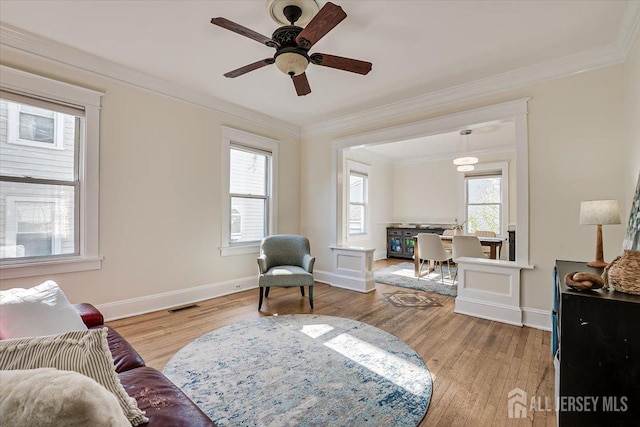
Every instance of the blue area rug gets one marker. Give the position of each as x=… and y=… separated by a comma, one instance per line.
x=303, y=370
x=403, y=275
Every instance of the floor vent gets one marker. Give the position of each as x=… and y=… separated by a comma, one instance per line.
x=183, y=308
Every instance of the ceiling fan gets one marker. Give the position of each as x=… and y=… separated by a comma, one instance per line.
x=292, y=44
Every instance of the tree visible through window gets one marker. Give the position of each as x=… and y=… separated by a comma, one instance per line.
x=484, y=203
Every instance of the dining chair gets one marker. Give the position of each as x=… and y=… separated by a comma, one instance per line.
x=466, y=246
x=447, y=243
x=285, y=261
x=430, y=248
x=485, y=233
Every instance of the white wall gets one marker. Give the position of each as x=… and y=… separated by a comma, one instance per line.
x=428, y=192
x=575, y=131
x=160, y=189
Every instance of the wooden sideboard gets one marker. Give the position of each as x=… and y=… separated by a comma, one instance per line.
x=598, y=353
x=400, y=242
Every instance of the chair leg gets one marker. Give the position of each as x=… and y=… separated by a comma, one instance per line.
x=302, y=290
x=266, y=291
x=311, y=296
x=261, y=293
x=441, y=272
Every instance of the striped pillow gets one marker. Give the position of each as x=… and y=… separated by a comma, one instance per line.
x=86, y=352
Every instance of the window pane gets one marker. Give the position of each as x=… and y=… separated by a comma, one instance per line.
x=483, y=217
x=248, y=219
x=36, y=142
x=356, y=189
x=484, y=190
x=356, y=219
x=248, y=173
x=37, y=128
x=36, y=220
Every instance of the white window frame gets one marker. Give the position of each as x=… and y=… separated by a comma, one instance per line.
x=13, y=129
x=11, y=222
x=360, y=169
x=231, y=137
x=500, y=169
x=32, y=85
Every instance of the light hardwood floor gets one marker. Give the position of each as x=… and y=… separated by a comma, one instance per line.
x=474, y=362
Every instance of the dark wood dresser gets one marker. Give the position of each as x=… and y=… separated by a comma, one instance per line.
x=400, y=243
x=598, y=357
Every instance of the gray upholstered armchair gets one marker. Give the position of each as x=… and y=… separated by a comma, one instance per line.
x=285, y=261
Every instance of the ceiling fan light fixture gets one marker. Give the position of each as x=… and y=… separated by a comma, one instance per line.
x=292, y=63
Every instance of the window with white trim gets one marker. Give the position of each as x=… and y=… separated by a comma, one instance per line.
x=358, y=198
x=484, y=203
x=33, y=126
x=249, y=165
x=48, y=175
x=485, y=198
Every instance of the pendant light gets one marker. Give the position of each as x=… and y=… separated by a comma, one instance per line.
x=464, y=163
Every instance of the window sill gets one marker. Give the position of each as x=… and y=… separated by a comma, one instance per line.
x=240, y=250
x=67, y=265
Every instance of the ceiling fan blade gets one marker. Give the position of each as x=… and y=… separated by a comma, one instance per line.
x=243, y=70
x=302, y=84
x=340, y=63
x=328, y=17
x=244, y=31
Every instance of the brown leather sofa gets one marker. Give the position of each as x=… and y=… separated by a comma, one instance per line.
x=164, y=403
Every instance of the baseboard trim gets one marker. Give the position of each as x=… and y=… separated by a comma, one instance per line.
x=489, y=311
x=536, y=318
x=162, y=301
x=344, y=282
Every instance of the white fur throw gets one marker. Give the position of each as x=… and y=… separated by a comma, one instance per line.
x=47, y=397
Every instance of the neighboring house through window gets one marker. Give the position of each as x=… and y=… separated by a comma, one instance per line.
x=48, y=176
x=358, y=198
x=248, y=190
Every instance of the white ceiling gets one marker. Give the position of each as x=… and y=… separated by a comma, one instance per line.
x=416, y=47
x=484, y=138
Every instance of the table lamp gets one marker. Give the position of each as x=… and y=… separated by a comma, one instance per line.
x=599, y=212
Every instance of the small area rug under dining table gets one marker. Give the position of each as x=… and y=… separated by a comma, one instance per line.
x=303, y=370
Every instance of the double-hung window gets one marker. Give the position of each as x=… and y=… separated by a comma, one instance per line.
x=358, y=198
x=484, y=203
x=48, y=176
x=248, y=190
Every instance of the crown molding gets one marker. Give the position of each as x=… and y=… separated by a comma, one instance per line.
x=32, y=44
x=592, y=59
x=629, y=27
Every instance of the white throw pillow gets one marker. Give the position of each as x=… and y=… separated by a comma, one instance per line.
x=86, y=352
x=41, y=310
x=47, y=397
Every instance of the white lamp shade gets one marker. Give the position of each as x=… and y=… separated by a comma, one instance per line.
x=465, y=168
x=291, y=63
x=599, y=212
